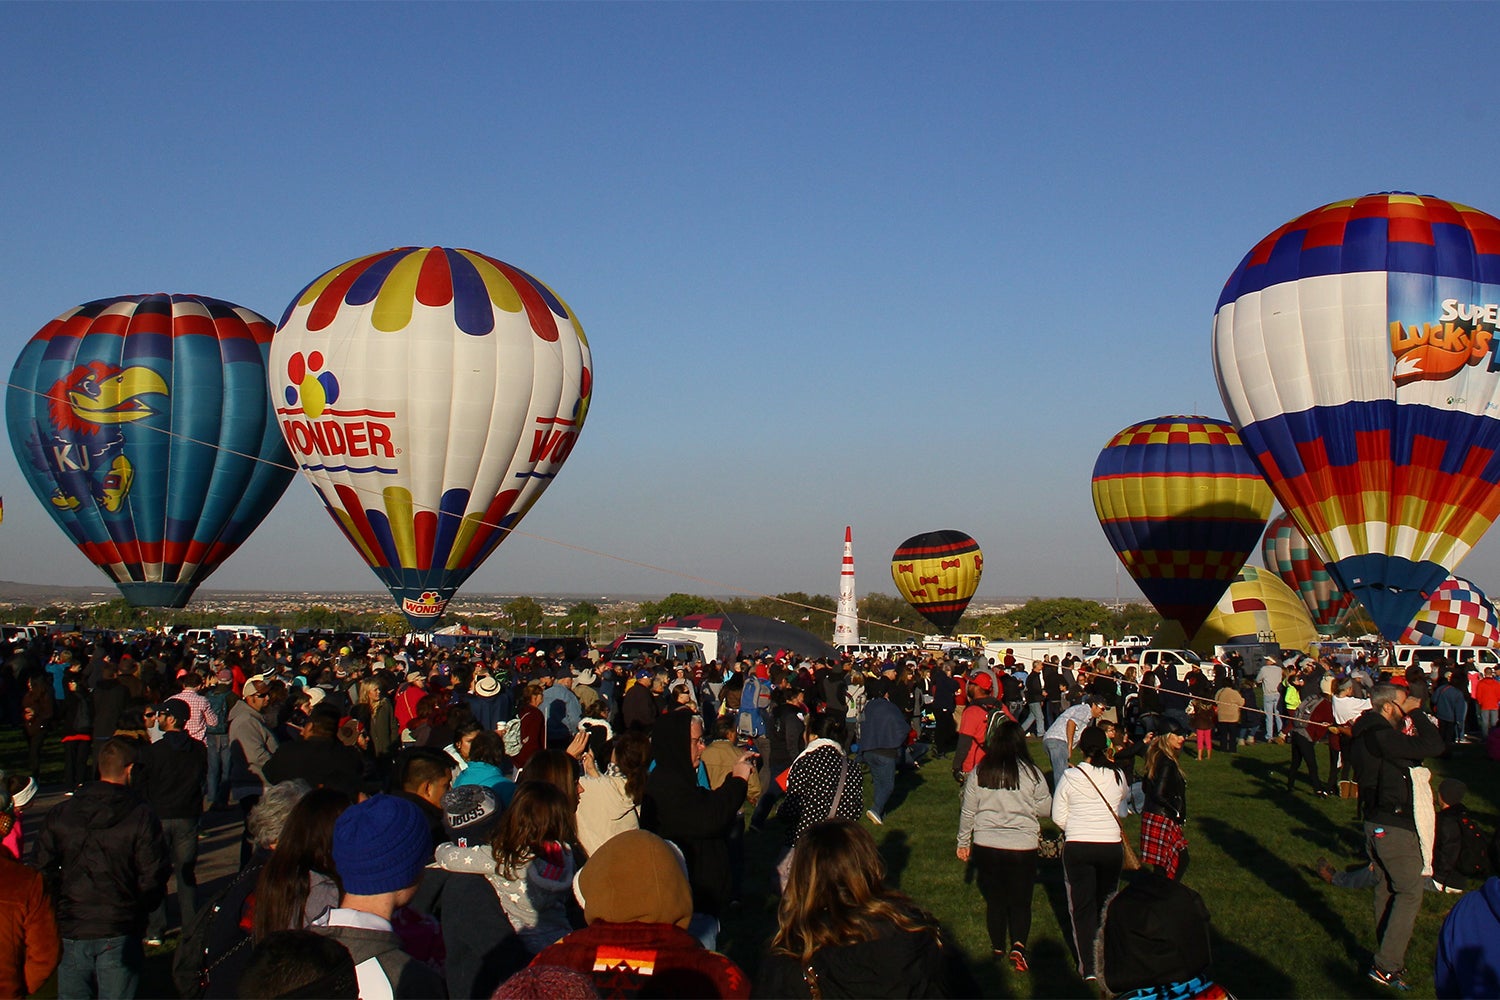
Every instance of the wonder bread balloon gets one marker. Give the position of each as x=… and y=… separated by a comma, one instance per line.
x=1286, y=553
x=1457, y=615
x=937, y=572
x=1183, y=506
x=430, y=396
x=142, y=424
x=1355, y=348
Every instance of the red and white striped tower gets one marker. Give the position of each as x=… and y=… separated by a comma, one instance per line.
x=846, y=619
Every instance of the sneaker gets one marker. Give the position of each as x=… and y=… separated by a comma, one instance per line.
x=1395, y=980
x=873, y=818
x=1325, y=870
x=1017, y=959
x=153, y=942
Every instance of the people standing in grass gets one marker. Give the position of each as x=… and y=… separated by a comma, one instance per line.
x=998, y=832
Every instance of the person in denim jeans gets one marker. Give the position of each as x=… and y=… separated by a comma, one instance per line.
x=884, y=734
x=104, y=857
x=1269, y=679
x=216, y=738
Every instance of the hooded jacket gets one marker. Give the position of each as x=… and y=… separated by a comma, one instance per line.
x=105, y=861
x=694, y=818
x=1383, y=757
x=1468, y=947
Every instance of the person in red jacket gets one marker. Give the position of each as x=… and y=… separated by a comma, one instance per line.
x=638, y=904
x=29, y=943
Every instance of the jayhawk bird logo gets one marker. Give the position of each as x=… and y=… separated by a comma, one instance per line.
x=86, y=451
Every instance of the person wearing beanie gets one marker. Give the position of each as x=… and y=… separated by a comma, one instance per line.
x=637, y=903
x=380, y=847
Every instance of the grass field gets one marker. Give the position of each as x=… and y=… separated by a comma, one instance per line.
x=1278, y=930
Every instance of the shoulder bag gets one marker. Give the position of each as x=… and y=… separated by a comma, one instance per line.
x=1131, y=862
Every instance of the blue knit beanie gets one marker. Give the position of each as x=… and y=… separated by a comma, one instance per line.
x=381, y=845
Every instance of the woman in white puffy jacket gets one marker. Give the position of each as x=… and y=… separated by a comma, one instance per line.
x=1086, y=803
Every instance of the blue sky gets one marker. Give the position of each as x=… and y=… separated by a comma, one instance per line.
x=904, y=267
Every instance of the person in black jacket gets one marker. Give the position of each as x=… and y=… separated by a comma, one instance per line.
x=170, y=777
x=696, y=819
x=104, y=857
x=319, y=758
x=1383, y=755
x=1165, y=809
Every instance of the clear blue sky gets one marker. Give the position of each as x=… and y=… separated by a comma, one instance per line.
x=904, y=267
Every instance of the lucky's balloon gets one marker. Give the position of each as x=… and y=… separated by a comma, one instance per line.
x=1286, y=553
x=1183, y=506
x=1355, y=348
x=430, y=395
x=937, y=572
x=142, y=424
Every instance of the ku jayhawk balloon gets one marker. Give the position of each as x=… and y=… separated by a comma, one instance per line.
x=142, y=424
x=430, y=396
x=1356, y=349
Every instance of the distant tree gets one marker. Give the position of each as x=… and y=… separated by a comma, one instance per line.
x=391, y=622
x=890, y=619
x=1357, y=623
x=523, y=614
x=318, y=616
x=1134, y=619
x=677, y=606
x=1058, y=617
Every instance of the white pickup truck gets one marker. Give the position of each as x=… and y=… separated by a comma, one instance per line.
x=1179, y=661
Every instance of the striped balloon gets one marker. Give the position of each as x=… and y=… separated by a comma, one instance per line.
x=1355, y=347
x=142, y=424
x=1286, y=553
x=1457, y=615
x=430, y=396
x=937, y=572
x=1183, y=506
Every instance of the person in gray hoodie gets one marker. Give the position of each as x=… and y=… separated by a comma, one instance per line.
x=998, y=831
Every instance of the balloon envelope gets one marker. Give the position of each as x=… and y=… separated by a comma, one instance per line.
x=430, y=396
x=1457, y=615
x=1355, y=348
x=1183, y=506
x=1286, y=553
x=937, y=572
x=142, y=424
x=1256, y=605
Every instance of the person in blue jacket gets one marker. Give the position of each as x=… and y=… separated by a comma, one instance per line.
x=1468, y=948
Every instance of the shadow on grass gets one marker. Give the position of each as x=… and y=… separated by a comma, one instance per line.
x=1325, y=835
x=1258, y=975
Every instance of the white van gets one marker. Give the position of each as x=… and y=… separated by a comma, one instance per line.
x=1429, y=657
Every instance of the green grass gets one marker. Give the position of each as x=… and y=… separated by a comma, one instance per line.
x=1278, y=930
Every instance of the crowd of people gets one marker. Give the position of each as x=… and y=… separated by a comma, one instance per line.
x=418, y=821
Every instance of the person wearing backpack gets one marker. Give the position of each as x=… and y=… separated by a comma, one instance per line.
x=1459, y=847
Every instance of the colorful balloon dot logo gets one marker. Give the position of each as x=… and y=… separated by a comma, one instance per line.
x=315, y=389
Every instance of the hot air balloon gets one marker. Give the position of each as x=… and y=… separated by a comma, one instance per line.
x=142, y=424
x=1286, y=553
x=1257, y=607
x=1458, y=614
x=937, y=572
x=1183, y=505
x=1355, y=348
x=430, y=396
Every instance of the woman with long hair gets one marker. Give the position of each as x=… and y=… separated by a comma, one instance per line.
x=1165, y=810
x=556, y=768
x=841, y=932
x=299, y=882
x=528, y=861
x=533, y=724
x=998, y=833
x=812, y=786
x=1088, y=803
x=37, y=709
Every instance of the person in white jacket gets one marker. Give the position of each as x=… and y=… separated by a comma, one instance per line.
x=1087, y=804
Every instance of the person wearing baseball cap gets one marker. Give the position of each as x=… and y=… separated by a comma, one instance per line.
x=380, y=847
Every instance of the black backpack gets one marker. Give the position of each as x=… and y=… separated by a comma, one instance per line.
x=1473, y=849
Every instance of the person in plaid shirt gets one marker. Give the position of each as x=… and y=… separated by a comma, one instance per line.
x=201, y=714
x=1162, y=841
